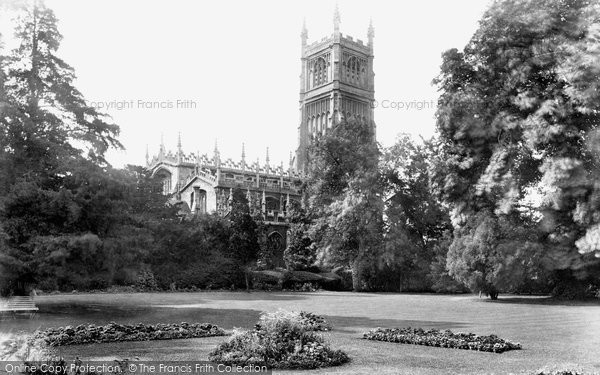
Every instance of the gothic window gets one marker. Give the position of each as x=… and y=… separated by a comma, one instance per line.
x=272, y=204
x=354, y=70
x=319, y=74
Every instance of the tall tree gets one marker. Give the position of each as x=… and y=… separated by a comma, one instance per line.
x=415, y=219
x=55, y=125
x=300, y=253
x=51, y=150
x=517, y=107
x=345, y=197
x=244, y=242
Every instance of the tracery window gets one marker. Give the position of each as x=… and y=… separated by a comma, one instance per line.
x=320, y=72
x=354, y=69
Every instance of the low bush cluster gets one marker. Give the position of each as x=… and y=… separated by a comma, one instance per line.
x=280, y=340
x=23, y=348
x=314, y=322
x=113, y=332
x=443, y=339
x=303, y=287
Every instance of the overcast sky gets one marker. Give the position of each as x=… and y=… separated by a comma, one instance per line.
x=238, y=63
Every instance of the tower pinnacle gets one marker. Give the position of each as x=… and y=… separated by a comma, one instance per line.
x=243, y=156
x=217, y=156
x=161, y=150
x=371, y=33
x=267, y=161
x=304, y=33
x=179, y=149
x=336, y=19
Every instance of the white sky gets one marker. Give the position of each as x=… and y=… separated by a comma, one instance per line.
x=239, y=61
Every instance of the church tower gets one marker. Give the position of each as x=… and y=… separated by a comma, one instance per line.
x=336, y=82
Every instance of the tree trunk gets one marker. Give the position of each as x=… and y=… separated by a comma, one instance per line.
x=247, y=278
x=356, y=276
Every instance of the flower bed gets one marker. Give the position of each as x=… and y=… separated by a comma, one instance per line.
x=279, y=340
x=562, y=372
x=113, y=332
x=443, y=339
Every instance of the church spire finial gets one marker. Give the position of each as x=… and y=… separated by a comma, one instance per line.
x=371, y=32
x=147, y=156
x=179, y=149
x=267, y=160
x=336, y=19
x=243, y=156
x=161, y=150
x=304, y=34
x=217, y=155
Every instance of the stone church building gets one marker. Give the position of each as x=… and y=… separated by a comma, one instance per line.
x=336, y=82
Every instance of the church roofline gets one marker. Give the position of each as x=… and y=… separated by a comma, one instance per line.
x=193, y=160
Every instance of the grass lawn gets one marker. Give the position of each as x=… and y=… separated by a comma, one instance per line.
x=552, y=334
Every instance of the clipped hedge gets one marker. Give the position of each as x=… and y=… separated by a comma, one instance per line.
x=283, y=279
x=443, y=339
x=280, y=340
x=113, y=332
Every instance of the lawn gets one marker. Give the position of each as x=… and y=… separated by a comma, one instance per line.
x=552, y=334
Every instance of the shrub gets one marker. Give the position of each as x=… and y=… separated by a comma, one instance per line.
x=569, y=288
x=268, y=279
x=303, y=287
x=23, y=348
x=114, y=332
x=146, y=281
x=281, y=339
x=345, y=275
x=443, y=339
x=307, y=320
x=314, y=322
x=300, y=252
